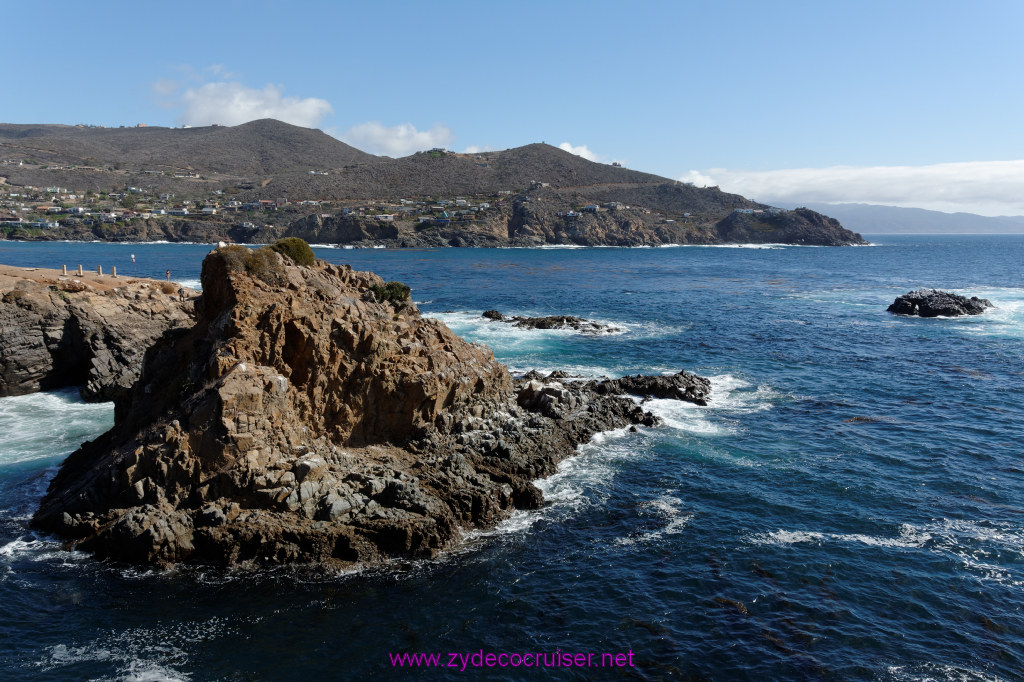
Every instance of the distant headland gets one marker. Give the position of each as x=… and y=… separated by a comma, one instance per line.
x=264, y=180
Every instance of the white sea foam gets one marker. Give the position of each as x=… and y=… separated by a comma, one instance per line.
x=507, y=339
x=1005, y=320
x=191, y=284
x=48, y=425
x=668, y=512
x=909, y=536
x=128, y=669
x=729, y=394
x=22, y=546
x=761, y=247
x=938, y=672
x=684, y=416
x=971, y=543
x=592, y=466
x=41, y=550
x=572, y=485
x=144, y=654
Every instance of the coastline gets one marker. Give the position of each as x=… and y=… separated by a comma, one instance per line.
x=767, y=491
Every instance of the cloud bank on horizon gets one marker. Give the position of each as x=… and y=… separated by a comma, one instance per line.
x=991, y=188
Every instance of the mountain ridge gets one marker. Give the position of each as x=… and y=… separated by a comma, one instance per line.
x=274, y=161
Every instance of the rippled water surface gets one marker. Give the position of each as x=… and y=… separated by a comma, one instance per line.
x=850, y=505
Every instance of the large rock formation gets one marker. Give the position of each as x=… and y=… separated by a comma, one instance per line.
x=310, y=417
x=935, y=303
x=91, y=331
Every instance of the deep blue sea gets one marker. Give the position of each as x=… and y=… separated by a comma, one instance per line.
x=850, y=506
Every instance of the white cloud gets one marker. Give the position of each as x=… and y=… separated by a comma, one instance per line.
x=699, y=179
x=580, y=150
x=399, y=140
x=983, y=187
x=477, y=149
x=229, y=104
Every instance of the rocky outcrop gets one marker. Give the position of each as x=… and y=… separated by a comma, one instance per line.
x=801, y=226
x=91, y=331
x=302, y=419
x=552, y=322
x=682, y=386
x=935, y=303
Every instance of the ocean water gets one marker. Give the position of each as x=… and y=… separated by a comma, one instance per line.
x=850, y=506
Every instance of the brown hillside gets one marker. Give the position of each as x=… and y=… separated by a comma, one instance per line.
x=258, y=148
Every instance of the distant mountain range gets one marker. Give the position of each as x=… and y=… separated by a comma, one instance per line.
x=874, y=219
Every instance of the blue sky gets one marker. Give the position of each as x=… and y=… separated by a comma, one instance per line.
x=898, y=102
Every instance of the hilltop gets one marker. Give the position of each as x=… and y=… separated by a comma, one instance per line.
x=306, y=176
x=256, y=149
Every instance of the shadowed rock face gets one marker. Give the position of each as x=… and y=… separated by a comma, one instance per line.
x=935, y=303
x=65, y=332
x=305, y=421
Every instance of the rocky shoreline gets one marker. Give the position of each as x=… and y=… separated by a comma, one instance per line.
x=307, y=418
x=532, y=220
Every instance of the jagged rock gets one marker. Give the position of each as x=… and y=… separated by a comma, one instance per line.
x=91, y=332
x=304, y=422
x=681, y=386
x=935, y=303
x=551, y=322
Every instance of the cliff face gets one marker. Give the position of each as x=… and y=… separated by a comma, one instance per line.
x=92, y=332
x=304, y=419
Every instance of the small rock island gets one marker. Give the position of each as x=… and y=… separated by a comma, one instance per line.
x=311, y=415
x=935, y=303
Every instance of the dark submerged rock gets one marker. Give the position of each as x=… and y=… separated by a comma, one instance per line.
x=935, y=303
